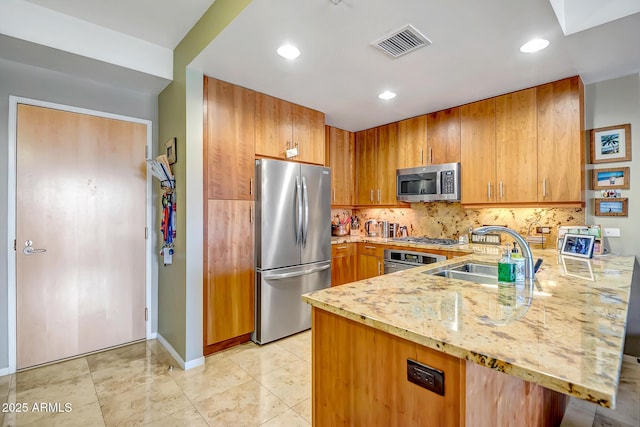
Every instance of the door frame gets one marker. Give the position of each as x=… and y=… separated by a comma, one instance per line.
x=11, y=214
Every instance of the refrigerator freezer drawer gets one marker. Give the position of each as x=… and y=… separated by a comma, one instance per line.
x=280, y=311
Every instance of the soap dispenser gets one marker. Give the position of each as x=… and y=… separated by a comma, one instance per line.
x=517, y=258
x=506, y=267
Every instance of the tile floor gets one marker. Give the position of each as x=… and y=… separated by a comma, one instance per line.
x=244, y=386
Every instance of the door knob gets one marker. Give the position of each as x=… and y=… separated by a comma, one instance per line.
x=30, y=250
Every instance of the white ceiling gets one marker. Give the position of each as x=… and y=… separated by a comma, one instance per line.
x=161, y=22
x=474, y=54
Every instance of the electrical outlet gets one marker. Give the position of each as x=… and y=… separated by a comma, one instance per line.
x=612, y=232
x=543, y=230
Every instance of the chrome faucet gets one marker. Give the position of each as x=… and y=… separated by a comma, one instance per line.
x=524, y=246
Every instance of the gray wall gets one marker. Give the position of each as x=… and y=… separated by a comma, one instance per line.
x=37, y=83
x=608, y=103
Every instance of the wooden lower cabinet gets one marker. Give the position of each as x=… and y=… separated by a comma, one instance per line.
x=343, y=264
x=370, y=260
x=229, y=273
x=359, y=378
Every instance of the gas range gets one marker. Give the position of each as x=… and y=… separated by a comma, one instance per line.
x=426, y=241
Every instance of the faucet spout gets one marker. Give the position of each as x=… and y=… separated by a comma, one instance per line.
x=529, y=271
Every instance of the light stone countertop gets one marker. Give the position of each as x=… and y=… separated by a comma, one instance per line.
x=570, y=338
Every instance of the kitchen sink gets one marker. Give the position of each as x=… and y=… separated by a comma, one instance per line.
x=473, y=268
x=486, y=274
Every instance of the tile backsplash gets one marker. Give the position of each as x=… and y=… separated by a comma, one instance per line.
x=446, y=219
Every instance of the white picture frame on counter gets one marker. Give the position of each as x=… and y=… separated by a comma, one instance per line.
x=578, y=245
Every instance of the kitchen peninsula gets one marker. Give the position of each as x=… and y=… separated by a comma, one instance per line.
x=507, y=358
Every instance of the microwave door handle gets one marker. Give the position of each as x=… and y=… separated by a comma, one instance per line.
x=438, y=182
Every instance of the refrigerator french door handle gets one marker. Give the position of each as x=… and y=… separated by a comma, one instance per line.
x=305, y=198
x=299, y=212
x=296, y=273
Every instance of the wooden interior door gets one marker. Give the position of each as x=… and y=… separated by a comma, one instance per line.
x=81, y=196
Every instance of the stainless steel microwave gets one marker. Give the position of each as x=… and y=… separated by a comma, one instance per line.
x=429, y=183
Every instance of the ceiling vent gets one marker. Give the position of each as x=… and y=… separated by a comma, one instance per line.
x=402, y=41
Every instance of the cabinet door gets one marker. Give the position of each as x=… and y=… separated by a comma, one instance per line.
x=369, y=266
x=228, y=140
x=516, y=147
x=366, y=167
x=342, y=162
x=561, y=141
x=343, y=264
x=308, y=134
x=274, y=126
x=388, y=163
x=412, y=141
x=229, y=295
x=443, y=136
x=478, y=152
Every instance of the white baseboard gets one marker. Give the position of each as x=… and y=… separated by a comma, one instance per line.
x=184, y=365
x=152, y=336
x=4, y=371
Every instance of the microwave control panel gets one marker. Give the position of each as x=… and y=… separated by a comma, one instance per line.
x=448, y=182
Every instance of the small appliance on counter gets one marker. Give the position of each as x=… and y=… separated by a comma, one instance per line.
x=383, y=228
x=372, y=228
x=402, y=231
x=394, y=230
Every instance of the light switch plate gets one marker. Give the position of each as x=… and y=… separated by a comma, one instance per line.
x=612, y=232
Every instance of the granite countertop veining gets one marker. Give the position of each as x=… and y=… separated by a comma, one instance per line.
x=570, y=338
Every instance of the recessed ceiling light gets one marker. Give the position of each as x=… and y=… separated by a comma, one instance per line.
x=387, y=95
x=288, y=51
x=534, y=45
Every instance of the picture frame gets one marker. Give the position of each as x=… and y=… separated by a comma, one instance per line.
x=610, y=178
x=578, y=245
x=170, y=150
x=611, y=144
x=614, y=206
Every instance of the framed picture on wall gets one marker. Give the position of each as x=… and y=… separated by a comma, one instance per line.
x=170, y=148
x=609, y=179
x=614, y=206
x=611, y=144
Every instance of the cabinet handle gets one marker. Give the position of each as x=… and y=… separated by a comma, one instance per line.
x=250, y=216
x=489, y=190
x=371, y=195
x=501, y=189
x=250, y=186
x=340, y=247
x=379, y=268
x=544, y=187
x=369, y=247
x=422, y=156
x=431, y=155
x=378, y=195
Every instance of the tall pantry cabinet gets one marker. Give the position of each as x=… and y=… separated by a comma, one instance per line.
x=229, y=152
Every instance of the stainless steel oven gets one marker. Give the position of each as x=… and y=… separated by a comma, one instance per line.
x=398, y=260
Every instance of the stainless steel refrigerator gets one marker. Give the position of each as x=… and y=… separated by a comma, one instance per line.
x=293, y=244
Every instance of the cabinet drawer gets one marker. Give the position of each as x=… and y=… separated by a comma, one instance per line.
x=370, y=249
x=342, y=249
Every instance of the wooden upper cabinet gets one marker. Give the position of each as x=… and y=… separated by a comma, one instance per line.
x=341, y=159
x=412, y=141
x=274, y=126
x=228, y=140
x=366, y=166
x=308, y=134
x=281, y=125
x=561, y=150
x=478, y=152
x=229, y=295
x=388, y=162
x=443, y=136
x=516, y=147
